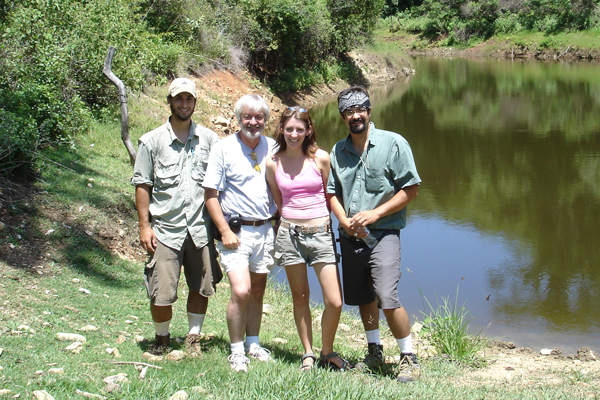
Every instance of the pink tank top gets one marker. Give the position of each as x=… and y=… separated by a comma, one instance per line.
x=304, y=195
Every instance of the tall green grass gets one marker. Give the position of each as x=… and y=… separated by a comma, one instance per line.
x=446, y=326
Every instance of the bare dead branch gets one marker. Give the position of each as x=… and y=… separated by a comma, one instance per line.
x=123, y=98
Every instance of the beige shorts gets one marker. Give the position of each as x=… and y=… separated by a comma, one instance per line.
x=200, y=266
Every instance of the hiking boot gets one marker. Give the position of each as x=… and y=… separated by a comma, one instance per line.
x=374, y=358
x=192, y=343
x=410, y=369
x=162, y=345
x=259, y=353
x=238, y=362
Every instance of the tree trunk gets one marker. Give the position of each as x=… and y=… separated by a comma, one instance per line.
x=123, y=98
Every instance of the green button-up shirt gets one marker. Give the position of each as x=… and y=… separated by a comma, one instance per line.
x=364, y=183
x=175, y=171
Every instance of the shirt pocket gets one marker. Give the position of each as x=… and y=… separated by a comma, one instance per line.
x=199, y=165
x=375, y=179
x=166, y=173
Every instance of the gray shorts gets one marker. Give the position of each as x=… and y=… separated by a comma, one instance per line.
x=371, y=275
x=293, y=246
x=201, y=269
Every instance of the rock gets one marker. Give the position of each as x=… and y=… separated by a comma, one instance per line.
x=121, y=339
x=139, y=338
x=344, y=328
x=116, y=379
x=70, y=337
x=585, y=354
x=84, y=290
x=175, y=355
x=74, y=347
x=113, y=388
x=546, y=352
x=151, y=357
x=180, y=395
x=6, y=392
x=279, y=341
x=222, y=121
x=89, y=395
x=57, y=371
x=42, y=395
x=39, y=372
x=267, y=309
x=88, y=328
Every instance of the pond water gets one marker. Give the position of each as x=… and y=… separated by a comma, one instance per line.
x=508, y=211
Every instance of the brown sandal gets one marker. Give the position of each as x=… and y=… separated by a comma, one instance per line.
x=306, y=366
x=325, y=362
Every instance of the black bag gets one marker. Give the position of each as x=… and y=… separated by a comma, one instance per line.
x=235, y=224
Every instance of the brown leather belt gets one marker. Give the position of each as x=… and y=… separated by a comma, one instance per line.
x=256, y=223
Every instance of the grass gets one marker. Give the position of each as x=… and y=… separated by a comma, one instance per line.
x=446, y=326
x=75, y=225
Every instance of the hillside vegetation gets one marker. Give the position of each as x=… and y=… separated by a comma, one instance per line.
x=52, y=53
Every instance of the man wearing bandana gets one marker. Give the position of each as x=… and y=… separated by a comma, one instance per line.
x=373, y=178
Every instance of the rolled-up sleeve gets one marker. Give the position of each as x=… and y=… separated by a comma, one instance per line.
x=142, y=171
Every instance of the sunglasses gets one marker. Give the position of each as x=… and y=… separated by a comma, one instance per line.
x=290, y=110
x=255, y=159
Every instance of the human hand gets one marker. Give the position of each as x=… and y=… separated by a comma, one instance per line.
x=230, y=240
x=364, y=218
x=148, y=239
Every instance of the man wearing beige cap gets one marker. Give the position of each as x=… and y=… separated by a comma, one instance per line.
x=168, y=176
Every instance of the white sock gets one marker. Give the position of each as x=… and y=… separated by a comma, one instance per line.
x=237, y=348
x=162, y=328
x=405, y=345
x=251, y=341
x=373, y=336
x=195, y=322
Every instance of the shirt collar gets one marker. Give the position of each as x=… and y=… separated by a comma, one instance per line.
x=372, y=140
x=172, y=133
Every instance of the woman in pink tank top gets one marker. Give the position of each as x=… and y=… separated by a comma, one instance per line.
x=297, y=176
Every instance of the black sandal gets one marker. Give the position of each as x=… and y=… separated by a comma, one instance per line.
x=305, y=365
x=325, y=362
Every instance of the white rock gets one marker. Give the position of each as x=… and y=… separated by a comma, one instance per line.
x=546, y=352
x=279, y=341
x=344, y=328
x=180, y=395
x=72, y=337
x=42, y=395
x=84, y=290
x=175, y=355
x=116, y=379
x=57, y=371
x=75, y=280
x=89, y=395
x=74, y=347
x=88, y=328
x=5, y=392
x=267, y=309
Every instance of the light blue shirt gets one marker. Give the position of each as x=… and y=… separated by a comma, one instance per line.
x=242, y=189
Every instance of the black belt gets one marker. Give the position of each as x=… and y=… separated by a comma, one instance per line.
x=256, y=223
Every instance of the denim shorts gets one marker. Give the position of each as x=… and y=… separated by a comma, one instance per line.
x=200, y=266
x=371, y=274
x=295, y=247
x=255, y=251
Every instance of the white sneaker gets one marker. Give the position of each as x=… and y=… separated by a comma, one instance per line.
x=238, y=362
x=259, y=353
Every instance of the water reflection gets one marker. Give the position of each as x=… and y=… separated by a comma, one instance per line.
x=509, y=154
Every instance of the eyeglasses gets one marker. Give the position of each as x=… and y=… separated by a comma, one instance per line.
x=290, y=110
x=255, y=159
x=350, y=112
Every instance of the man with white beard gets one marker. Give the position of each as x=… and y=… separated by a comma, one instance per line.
x=241, y=206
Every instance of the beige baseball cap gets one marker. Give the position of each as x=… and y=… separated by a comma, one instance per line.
x=180, y=85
